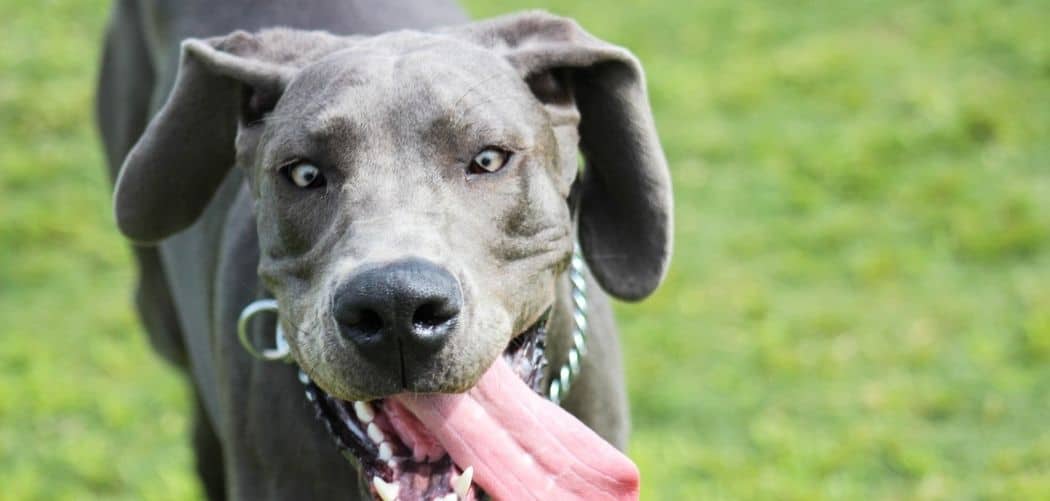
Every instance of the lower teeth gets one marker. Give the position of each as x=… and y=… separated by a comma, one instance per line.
x=387, y=492
x=461, y=484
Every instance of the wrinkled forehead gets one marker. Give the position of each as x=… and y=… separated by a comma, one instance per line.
x=407, y=77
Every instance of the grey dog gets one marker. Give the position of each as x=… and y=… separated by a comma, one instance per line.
x=407, y=186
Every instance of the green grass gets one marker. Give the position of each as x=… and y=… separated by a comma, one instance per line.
x=858, y=306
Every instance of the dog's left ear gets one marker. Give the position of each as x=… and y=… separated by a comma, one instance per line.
x=624, y=191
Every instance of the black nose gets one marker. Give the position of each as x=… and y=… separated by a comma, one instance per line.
x=404, y=309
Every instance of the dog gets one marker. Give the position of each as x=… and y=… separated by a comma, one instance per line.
x=406, y=185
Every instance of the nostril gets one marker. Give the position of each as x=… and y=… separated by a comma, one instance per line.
x=364, y=320
x=432, y=314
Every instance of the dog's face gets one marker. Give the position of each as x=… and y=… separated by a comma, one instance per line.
x=416, y=197
x=408, y=148
x=415, y=191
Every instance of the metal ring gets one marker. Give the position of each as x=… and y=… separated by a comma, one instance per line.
x=281, y=351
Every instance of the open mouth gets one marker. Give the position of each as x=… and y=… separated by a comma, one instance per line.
x=397, y=455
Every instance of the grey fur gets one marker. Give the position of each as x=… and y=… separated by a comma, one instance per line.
x=393, y=120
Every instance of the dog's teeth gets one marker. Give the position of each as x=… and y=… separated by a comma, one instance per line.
x=375, y=433
x=388, y=492
x=448, y=497
x=385, y=452
x=364, y=412
x=461, y=484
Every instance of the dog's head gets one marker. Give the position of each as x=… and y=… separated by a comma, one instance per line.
x=416, y=193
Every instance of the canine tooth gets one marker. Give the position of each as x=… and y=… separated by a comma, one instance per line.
x=385, y=452
x=462, y=483
x=364, y=412
x=375, y=433
x=387, y=492
x=448, y=497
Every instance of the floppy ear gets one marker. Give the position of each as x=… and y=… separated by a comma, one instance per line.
x=175, y=167
x=624, y=191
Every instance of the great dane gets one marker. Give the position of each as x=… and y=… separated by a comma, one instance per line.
x=407, y=186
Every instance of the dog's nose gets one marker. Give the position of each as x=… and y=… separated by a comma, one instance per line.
x=406, y=308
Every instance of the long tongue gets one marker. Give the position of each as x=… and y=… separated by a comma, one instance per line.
x=521, y=445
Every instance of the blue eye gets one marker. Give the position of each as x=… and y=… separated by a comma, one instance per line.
x=304, y=175
x=489, y=160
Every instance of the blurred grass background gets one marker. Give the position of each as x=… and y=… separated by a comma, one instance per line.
x=858, y=307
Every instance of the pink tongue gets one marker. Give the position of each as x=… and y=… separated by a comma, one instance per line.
x=522, y=445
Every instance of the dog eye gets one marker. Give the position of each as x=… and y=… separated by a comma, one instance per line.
x=304, y=175
x=489, y=160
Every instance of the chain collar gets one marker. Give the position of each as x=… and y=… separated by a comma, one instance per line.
x=561, y=381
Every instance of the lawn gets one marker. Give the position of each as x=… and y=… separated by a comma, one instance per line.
x=858, y=306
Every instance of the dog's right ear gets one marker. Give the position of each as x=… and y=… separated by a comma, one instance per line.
x=175, y=167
